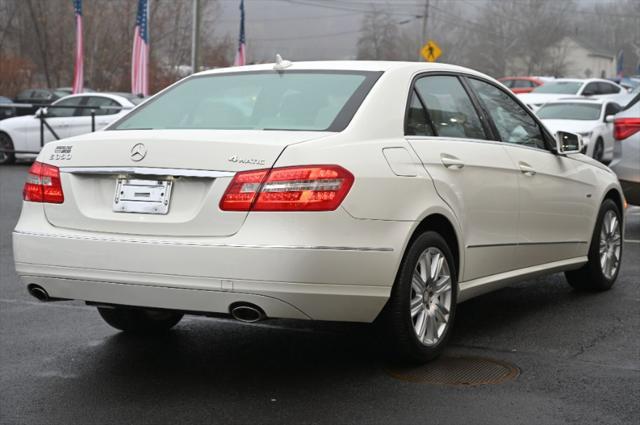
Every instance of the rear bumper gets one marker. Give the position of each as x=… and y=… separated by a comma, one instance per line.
x=342, y=281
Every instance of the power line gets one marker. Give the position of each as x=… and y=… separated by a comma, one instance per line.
x=293, y=18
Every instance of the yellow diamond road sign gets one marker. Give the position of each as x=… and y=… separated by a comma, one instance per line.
x=430, y=51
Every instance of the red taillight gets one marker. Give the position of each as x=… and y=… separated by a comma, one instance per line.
x=300, y=188
x=43, y=184
x=625, y=127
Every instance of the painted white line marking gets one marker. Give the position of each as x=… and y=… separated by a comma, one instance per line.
x=632, y=240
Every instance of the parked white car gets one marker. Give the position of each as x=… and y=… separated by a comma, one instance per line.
x=22, y=134
x=590, y=118
x=345, y=191
x=571, y=87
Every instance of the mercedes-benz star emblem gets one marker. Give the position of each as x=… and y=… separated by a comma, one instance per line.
x=138, y=152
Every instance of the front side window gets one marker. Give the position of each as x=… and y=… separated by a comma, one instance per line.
x=450, y=108
x=52, y=111
x=591, y=89
x=508, y=83
x=513, y=122
x=570, y=111
x=289, y=100
x=559, y=87
x=523, y=84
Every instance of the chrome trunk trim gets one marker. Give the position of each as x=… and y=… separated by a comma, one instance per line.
x=148, y=171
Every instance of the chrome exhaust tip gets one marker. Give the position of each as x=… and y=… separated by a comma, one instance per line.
x=247, y=313
x=38, y=292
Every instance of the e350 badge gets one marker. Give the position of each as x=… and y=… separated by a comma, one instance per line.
x=61, y=153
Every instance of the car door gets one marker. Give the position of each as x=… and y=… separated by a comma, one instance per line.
x=473, y=175
x=57, y=117
x=555, y=208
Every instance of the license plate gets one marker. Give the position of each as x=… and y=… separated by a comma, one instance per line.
x=142, y=196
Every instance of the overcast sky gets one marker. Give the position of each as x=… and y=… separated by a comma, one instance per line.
x=296, y=31
x=319, y=29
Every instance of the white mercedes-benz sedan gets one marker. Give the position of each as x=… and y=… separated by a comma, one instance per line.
x=341, y=191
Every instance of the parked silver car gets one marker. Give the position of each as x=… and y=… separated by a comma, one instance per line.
x=626, y=163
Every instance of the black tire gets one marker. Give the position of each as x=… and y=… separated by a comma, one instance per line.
x=138, y=320
x=591, y=277
x=598, y=150
x=397, y=320
x=6, y=143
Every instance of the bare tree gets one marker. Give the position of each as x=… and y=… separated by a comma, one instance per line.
x=513, y=37
x=37, y=40
x=379, y=37
x=613, y=27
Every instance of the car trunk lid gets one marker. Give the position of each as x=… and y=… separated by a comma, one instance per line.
x=193, y=167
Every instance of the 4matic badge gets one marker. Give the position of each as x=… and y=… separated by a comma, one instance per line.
x=249, y=161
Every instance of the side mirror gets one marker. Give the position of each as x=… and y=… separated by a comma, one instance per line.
x=567, y=143
x=609, y=119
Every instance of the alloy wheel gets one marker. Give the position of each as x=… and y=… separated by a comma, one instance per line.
x=610, y=244
x=431, y=296
x=5, y=143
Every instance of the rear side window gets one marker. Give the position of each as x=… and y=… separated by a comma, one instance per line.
x=268, y=100
x=606, y=88
x=417, y=121
x=513, y=122
x=450, y=108
x=111, y=106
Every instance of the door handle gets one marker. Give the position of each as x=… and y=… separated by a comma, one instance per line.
x=451, y=162
x=527, y=169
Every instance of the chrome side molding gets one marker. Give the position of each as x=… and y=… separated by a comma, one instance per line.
x=148, y=171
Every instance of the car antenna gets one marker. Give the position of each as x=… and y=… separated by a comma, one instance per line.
x=281, y=64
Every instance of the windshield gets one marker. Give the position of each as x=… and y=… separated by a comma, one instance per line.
x=559, y=87
x=569, y=111
x=289, y=100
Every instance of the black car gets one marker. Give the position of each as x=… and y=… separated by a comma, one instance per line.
x=4, y=111
x=38, y=98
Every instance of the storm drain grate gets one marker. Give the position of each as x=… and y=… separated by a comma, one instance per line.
x=462, y=371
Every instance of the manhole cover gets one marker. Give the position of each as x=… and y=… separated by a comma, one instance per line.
x=464, y=371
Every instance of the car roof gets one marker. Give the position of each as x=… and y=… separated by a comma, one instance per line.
x=114, y=96
x=349, y=65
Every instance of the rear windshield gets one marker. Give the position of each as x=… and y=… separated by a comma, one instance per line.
x=289, y=100
x=559, y=87
x=569, y=111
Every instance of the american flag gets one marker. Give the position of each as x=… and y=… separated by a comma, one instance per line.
x=140, y=56
x=241, y=54
x=78, y=73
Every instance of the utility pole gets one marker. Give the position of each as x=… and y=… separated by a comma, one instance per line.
x=425, y=21
x=195, y=36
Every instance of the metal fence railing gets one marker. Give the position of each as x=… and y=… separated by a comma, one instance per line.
x=43, y=113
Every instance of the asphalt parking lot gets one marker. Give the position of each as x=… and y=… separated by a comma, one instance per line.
x=578, y=357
